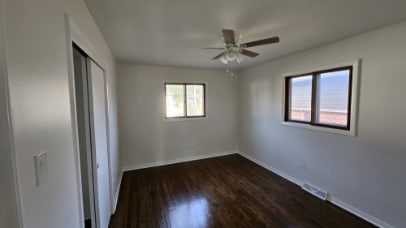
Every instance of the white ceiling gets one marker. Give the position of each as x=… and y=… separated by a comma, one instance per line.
x=170, y=32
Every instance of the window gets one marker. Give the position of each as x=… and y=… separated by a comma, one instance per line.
x=321, y=98
x=185, y=100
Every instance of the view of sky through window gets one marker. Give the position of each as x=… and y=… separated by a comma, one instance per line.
x=301, y=98
x=333, y=98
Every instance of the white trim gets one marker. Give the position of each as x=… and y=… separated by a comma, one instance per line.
x=317, y=128
x=185, y=81
x=74, y=34
x=108, y=114
x=10, y=132
x=356, y=72
x=77, y=36
x=178, y=160
x=74, y=124
x=333, y=200
x=359, y=213
x=272, y=169
x=117, y=193
x=180, y=119
x=324, y=67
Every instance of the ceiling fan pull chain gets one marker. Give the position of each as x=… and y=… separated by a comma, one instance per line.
x=230, y=72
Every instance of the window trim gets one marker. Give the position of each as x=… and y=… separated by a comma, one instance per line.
x=185, y=116
x=350, y=129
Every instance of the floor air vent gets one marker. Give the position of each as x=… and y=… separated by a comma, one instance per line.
x=315, y=191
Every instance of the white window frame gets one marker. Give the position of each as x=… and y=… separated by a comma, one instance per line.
x=184, y=118
x=354, y=99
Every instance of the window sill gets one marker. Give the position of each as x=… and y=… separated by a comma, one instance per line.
x=323, y=129
x=179, y=119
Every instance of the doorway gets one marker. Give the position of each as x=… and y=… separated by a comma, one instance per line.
x=91, y=115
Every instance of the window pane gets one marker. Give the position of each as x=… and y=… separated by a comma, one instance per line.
x=300, y=98
x=195, y=100
x=175, y=104
x=333, y=96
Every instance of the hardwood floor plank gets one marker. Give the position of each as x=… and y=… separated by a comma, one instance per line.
x=228, y=191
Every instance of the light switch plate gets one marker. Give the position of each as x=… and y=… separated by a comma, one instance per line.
x=41, y=167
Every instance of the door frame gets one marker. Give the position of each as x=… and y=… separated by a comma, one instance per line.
x=75, y=35
x=8, y=119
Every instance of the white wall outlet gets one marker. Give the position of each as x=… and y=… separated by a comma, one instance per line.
x=41, y=167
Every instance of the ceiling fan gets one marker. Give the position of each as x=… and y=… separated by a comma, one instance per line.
x=234, y=49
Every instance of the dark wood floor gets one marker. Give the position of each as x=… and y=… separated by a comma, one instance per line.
x=228, y=191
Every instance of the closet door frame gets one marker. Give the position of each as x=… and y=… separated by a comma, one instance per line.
x=76, y=36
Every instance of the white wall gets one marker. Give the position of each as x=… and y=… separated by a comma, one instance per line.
x=9, y=208
x=147, y=138
x=367, y=172
x=40, y=105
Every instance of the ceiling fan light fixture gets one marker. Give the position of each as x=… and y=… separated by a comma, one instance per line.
x=223, y=59
x=239, y=57
x=230, y=55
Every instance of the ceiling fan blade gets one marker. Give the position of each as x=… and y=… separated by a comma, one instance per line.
x=249, y=53
x=229, y=37
x=261, y=42
x=218, y=56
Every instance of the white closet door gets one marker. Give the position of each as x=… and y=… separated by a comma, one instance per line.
x=98, y=122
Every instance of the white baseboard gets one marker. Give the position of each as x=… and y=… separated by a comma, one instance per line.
x=333, y=200
x=272, y=169
x=359, y=213
x=179, y=160
x=117, y=191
